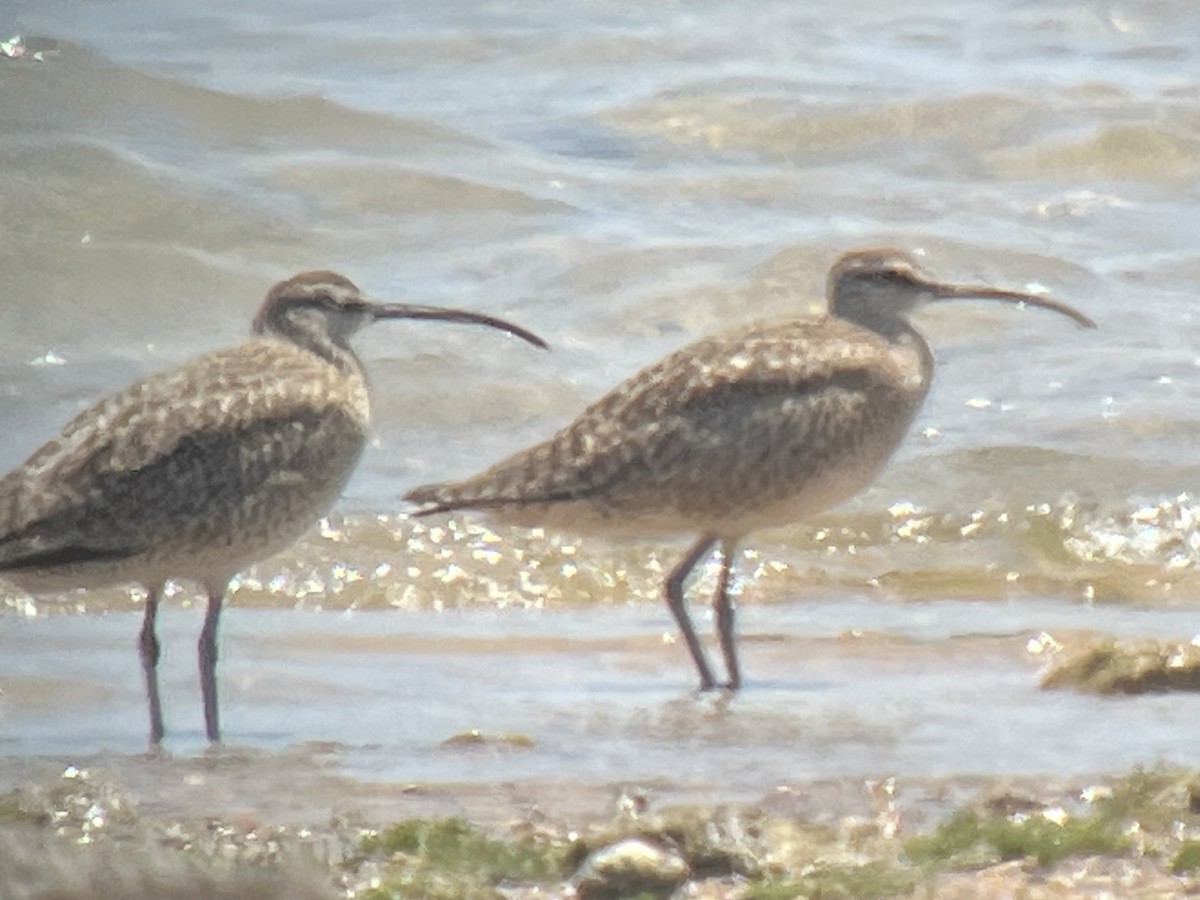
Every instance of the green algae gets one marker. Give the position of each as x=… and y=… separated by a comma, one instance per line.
x=969, y=838
x=1144, y=815
x=1153, y=798
x=451, y=858
x=1187, y=858
x=871, y=881
x=1147, y=800
x=10, y=808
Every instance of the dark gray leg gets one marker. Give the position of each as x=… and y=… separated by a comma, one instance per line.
x=724, y=609
x=148, y=645
x=208, y=661
x=675, y=601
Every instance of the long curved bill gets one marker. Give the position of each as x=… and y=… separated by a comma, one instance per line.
x=981, y=292
x=411, y=311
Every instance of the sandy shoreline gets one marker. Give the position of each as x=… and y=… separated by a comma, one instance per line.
x=266, y=824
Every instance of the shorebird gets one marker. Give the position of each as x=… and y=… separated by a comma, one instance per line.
x=759, y=426
x=197, y=472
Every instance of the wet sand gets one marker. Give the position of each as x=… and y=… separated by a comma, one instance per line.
x=267, y=824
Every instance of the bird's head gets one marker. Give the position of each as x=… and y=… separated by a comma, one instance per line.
x=879, y=288
x=324, y=306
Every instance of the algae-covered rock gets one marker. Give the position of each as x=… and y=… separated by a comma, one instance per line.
x=476, y=738
x=630, y=867
x=1104, y=665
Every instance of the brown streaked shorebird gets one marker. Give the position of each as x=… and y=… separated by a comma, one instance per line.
x=760, y=426
x=197, y=472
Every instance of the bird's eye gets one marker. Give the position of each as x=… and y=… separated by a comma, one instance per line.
x=892, y=278
x=340, y=302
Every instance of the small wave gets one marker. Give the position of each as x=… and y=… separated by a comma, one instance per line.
x=81, y=91
x=390, y=190
x=1154, y=153
x=713, y=117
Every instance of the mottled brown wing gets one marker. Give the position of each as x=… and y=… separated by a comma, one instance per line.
x=693, y=402
x=172, y=448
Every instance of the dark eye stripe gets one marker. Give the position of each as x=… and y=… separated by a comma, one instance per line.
x=891, y=276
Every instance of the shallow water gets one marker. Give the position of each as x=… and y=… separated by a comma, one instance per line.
x=852, y=687
x=624, y=178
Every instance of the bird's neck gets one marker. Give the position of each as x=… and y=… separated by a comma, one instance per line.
x=909, y=350
x=889, y=322
x=868, y=312
x=913, y=355
x=319, y=342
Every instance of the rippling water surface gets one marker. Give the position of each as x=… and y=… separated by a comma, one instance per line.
x=623, y=178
